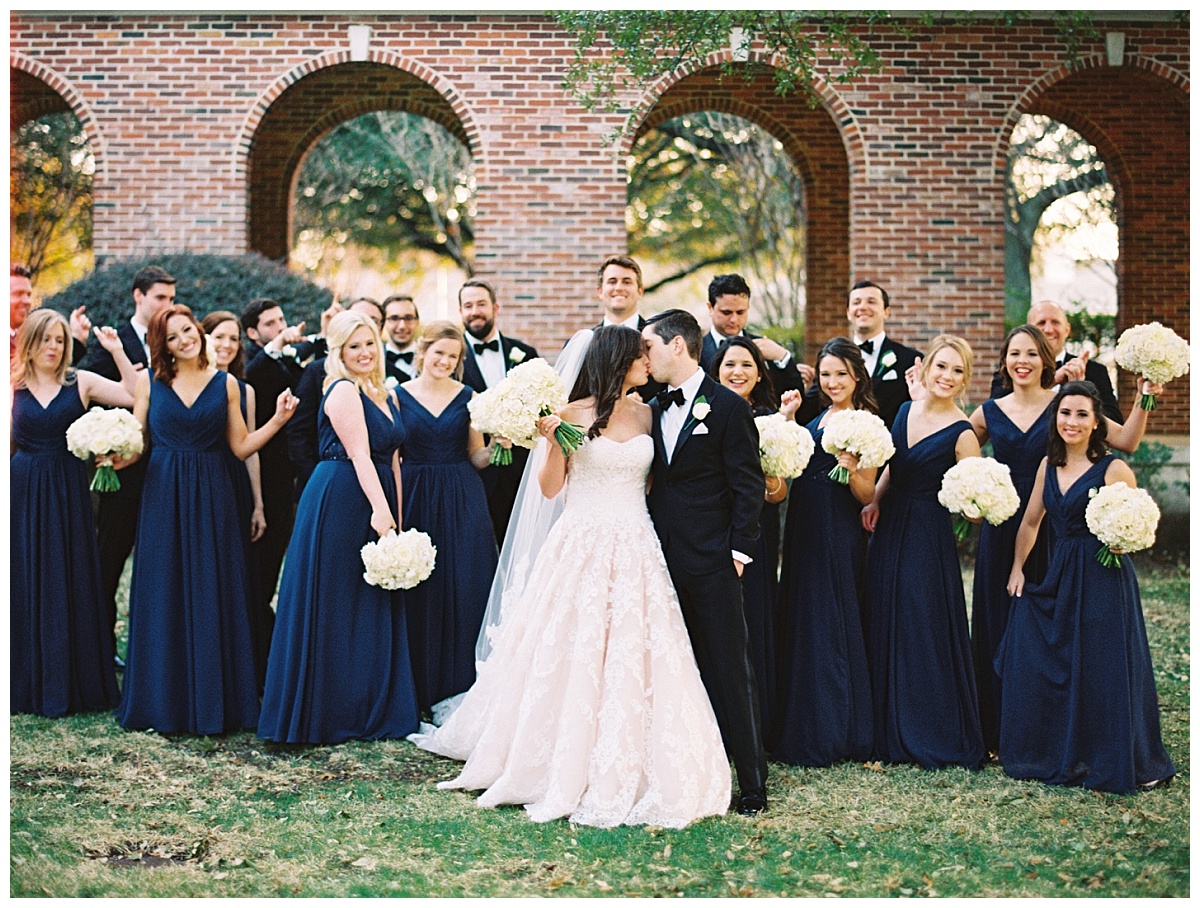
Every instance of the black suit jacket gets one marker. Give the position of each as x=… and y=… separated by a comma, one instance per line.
x=1094, y=372
x=269, y=377
x=101, y=362
x=706, y=502
x=301, y=429
x=890, y=393
x=473, y=378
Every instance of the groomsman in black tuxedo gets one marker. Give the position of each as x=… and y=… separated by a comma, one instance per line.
x=117, y=513
x=729, y=310
x=302, y=442
x=275, y=359
x=1053, y=322
x=619, y=287
x=401, y=326
x=489, y=357
x=705, y=500
x=886, y=360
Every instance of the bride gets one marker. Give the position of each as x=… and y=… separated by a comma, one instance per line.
x=590, y=705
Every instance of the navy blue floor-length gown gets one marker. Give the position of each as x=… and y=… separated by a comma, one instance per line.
x=1022, y=452
x=189, y=665
x=444, y=497
x=824, y=682
x=918, y=647
x=60, y=647
x=1079, y=703
x=760, y=598
x=339, y=666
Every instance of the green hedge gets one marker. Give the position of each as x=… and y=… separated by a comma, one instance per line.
x=203, y=282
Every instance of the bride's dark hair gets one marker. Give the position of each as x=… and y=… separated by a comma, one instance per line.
x=613, y=349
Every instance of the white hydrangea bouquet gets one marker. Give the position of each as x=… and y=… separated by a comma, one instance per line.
x=105, y=433
x=511, y=410
x=863, y=434
x=1155, y=352
x=399, y=561
x=1123, y=519
x=978, y=487
x=783, y=446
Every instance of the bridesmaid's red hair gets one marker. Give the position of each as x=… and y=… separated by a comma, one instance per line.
x=156, y=338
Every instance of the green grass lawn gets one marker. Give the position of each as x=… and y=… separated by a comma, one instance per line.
x=98, y=811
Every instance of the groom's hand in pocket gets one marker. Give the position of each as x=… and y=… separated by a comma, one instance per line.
x=738, y=566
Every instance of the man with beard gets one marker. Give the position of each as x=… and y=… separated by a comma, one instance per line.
x=489, y=356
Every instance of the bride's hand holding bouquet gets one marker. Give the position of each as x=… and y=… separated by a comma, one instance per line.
x=511, y=410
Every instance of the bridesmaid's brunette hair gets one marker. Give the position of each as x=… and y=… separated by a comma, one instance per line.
x=612, y=352
x=29, y=340
x=1056, y=448
x=847, y=351
x=1043, y=349
x=237, y=366
x=762, y=396
x=161, y=359
x=434, y=332
x=337, y=335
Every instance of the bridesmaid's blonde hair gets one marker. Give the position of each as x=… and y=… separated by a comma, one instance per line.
x=337, y=335
x=434, y=332
x=959, y=346
x=29, y=340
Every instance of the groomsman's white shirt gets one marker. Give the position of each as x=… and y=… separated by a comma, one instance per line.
x=870, y=359
x=491, y=362
x=631, y=322
x=408, y=369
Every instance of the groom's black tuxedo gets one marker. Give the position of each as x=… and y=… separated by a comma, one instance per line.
x=706, y=503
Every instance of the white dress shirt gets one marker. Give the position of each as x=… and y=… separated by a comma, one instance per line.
x=491, y=362
x=870, y=359
x=140, y=331
x=631, y=322
x=409, y=368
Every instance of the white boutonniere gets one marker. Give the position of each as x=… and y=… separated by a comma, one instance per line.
x=700, y=409
x=889, y=359
x=516, y=355
x=289, y=350
x=391, y=382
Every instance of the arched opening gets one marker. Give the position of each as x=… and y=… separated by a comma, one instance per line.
x=322, y=106
x=51, y=170
x=712, y=192
x=810, y=140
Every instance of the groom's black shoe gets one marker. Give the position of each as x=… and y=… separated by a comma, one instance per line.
x=752, y=801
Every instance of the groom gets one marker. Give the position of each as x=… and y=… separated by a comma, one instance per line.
x=705, y=498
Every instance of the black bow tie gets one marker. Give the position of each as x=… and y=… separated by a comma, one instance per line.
x=407, y=357
x=666, y=398
x=493, y=344
x=867, y=347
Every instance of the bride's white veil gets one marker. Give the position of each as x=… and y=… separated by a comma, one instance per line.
x=532, y=516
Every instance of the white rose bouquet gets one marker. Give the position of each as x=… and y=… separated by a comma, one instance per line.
x=783, y=446
x=1153, y=351
x=105, y=433
x=1123, y=519
x=511, y=410
x=978, y=487
x=861, y=433
x=399, y=561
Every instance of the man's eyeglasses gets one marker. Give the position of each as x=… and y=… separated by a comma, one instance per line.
x=402, y=318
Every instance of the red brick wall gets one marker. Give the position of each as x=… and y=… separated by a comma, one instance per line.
x=197, y=119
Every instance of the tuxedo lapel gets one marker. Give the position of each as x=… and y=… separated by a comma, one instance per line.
x=132, y=346
x=690, y=423
x=884, y=347
x=472, y=377
x=660, y=449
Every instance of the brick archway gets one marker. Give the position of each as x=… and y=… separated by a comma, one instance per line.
x=305, y=104
x=824, y=151
x=36, y=90
x=1137, y=117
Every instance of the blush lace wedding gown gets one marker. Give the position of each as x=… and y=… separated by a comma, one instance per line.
x=590, y=705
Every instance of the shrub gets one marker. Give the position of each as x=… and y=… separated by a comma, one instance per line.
x=203, y=282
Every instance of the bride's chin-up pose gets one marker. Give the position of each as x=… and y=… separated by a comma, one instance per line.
x=590, y=705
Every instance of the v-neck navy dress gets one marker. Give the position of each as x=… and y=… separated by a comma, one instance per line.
x=444, y=497
x=189, y=666
x=1079, y=704
x=918, y=647
x=339, y=665
x=60, y=649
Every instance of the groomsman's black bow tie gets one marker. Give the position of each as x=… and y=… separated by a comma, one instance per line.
x=666, y=398
x=407, y=357
x=493, y=344
x=867, y=347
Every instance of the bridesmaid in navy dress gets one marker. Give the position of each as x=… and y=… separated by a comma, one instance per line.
x=224, y=332
x=922, y=679
x=739, y=366
x=339, y=666
x=444, y=497
x=1079, y=704
x=1017, y=426
x=824, y=682
x=189, y=667
x=60, y=655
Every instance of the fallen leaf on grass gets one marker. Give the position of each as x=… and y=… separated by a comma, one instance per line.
x=366, y=863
